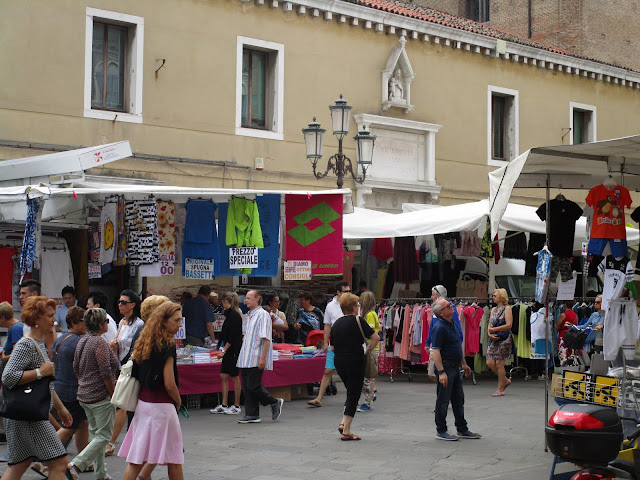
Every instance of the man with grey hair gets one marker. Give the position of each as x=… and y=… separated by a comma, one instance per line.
x=439, y=291
x=446, y=350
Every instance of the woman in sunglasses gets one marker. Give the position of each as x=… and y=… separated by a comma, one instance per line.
x=129, y=306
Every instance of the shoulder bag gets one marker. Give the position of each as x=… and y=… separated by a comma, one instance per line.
x=502, y=334
x=370, y=369
x=28, y=402
x=127, y=390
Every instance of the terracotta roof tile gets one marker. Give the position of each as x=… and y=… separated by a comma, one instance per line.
x=418, y=12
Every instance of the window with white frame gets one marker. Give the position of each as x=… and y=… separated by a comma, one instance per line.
x=582, y=122
x=502, y=122
x=113, y=66
x=259, y=88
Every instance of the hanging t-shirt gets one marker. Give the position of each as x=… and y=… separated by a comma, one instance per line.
x=6, y=272
x=616, y=274
x=608, y=211
x=564, y=214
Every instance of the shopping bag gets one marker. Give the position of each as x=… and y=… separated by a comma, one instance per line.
x=125, y=395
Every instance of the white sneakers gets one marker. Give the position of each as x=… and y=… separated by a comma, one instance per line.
x=232, y=410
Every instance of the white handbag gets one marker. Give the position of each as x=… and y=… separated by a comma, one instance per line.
x=127, y=390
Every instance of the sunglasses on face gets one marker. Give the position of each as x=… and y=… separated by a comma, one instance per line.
x=123, y=302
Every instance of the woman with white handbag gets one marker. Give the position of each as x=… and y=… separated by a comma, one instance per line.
x=154, y=436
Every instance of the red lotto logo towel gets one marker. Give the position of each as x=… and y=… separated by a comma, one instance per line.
x=314, y=231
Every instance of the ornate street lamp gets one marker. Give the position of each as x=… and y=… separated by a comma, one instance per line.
x=339, y=163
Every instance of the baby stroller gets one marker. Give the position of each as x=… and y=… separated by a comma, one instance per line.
x=313, y=337
x=576, y=338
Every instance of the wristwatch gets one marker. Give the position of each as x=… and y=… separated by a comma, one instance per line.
x=440, y=372
x=38, y=374
x=222, y=350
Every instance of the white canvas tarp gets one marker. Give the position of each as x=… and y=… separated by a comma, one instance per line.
x=431, y=220
x=567, y=167
x=32, y=169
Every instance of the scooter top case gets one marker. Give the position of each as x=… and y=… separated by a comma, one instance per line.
x=585, y=434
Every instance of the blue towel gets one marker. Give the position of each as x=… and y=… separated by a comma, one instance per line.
x=200, y=225
x=200, y=220
x=269, y=212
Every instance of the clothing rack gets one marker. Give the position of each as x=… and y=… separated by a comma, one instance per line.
x=518, y=367
x=425, y=301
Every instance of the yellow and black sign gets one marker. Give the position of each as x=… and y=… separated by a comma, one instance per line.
x=575, y=385
x=605, y=391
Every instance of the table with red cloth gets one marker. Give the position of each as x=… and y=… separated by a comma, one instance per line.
x=197, y=379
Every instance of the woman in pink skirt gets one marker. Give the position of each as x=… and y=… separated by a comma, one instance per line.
x=154, y=436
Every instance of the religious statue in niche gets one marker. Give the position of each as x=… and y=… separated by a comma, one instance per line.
x=396, y=79
x=396, y=90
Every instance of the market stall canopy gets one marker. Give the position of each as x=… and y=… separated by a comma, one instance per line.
x=568, y=167
x=61, y=164
x=66, y=204
x=434, y=219
x=466, y=216
x=99, y=190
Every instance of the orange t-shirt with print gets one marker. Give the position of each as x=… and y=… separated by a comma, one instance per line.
x=608, y=211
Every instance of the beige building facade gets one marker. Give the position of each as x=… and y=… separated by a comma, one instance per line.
x=182, y=85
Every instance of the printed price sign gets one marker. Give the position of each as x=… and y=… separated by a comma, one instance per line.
x=218, y=322
x=297, y=270
x=243, y=257
x=95, y=271
x=575, y=385
x=181, y=334
x=605, y=391
x=167, y=264
x=567, y=290
x=198, y=268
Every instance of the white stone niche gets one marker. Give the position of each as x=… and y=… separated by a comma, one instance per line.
x=396, y=79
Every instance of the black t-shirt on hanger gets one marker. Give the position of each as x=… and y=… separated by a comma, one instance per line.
x=564, y=214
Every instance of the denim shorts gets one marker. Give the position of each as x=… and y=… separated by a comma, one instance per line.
x=618, y=247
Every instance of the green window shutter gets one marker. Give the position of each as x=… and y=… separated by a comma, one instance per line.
x=97, y=65
x=258, y=88
x=498, y=124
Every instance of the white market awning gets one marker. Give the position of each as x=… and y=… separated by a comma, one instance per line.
x=431, y=220
x=70, y=162
x=567, y=167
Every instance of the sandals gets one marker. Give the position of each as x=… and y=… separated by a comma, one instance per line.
x=497, y=394
x=40, y=469
x=341, y=427
x=351, y=436
x=314, y=403
x=109, y=450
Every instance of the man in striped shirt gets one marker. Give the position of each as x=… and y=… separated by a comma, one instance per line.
x=256, y=356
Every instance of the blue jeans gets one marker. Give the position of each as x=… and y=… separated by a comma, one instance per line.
x=451, y=393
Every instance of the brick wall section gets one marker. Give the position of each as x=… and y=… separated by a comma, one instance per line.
x=510, y=16
x=604, y=30
x=452, y=7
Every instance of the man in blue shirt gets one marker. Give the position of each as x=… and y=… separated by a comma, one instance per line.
x=198, y=318
x=68, y=301
x=446, y=349
x=439, y=291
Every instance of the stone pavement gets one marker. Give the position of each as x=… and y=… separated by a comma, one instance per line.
x=398, y=439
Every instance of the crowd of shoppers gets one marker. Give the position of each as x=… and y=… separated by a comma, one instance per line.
x=90, y=347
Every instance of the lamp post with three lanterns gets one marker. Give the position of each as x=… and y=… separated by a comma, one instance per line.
x=339, y=163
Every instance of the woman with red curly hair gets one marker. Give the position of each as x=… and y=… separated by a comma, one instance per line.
x=154, y=436
x=28, y=440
